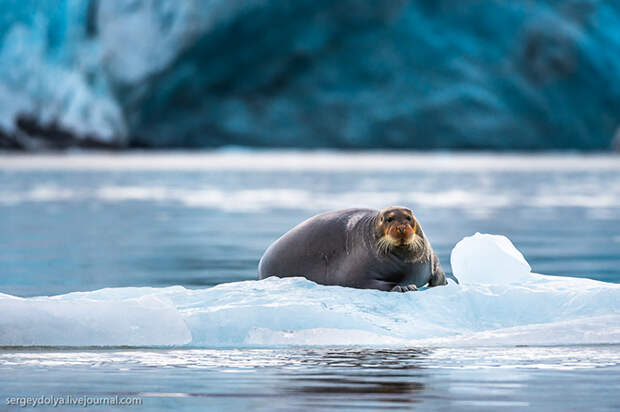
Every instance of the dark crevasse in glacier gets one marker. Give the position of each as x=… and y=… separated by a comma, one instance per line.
x=348, y=74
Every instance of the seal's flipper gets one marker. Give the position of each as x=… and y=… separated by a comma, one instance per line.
x=438, y=278
x=451, y=276
x=404, y=288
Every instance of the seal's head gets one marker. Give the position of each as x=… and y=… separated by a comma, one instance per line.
x=397, y=228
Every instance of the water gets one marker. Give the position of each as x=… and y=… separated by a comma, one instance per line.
x=541, y=378
x=86, y=222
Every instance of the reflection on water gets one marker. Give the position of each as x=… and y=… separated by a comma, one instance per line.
x=323, y=378
x=391, y=359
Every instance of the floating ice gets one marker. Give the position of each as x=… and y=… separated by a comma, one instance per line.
x=488, y=259
x=498, y=303
x=80, y=319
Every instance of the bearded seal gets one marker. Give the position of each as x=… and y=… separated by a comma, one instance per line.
x=358, y=248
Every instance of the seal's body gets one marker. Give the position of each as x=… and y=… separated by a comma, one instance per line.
x=359, y=248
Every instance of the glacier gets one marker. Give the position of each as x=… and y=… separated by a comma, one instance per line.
x=498, y=302
x=398, y=74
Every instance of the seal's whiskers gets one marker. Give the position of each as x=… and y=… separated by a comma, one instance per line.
x=384, y=245
x=417, y=248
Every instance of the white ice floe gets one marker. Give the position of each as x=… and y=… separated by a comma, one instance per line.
x=500, y=302
x=80, y=319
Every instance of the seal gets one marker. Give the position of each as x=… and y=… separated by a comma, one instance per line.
x=358, y=248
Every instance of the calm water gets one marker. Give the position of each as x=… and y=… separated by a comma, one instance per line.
x=89, y=222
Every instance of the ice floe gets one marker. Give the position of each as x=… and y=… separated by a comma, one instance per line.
x=499, y=302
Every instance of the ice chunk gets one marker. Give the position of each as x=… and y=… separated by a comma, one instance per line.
x=484, y=258
x=79, y=320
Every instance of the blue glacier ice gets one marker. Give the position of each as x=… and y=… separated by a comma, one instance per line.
x=499, y=302
x=163, y=73
x=51, y=75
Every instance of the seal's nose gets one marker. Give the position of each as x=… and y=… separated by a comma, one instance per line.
x=401, y=229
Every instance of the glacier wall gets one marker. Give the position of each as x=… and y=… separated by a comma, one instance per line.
x=162, y=73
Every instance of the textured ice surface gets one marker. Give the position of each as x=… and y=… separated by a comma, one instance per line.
x=81, y=319
x=498, y=303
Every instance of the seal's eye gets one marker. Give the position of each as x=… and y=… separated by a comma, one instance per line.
x=409, y=218
x=389, y=219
